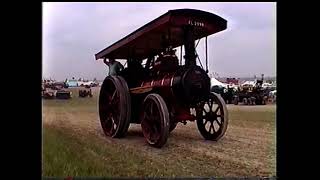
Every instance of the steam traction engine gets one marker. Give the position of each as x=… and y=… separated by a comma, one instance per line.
x=254, y=95
x=160, y=93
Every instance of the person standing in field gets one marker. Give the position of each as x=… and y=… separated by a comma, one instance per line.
x=114, y=66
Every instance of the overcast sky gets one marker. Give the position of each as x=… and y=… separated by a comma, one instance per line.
x=74, y=32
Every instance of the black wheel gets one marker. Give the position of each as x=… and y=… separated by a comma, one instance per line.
x=114, y=107
x=212, y=117
x=128, y=99
x=155, y=120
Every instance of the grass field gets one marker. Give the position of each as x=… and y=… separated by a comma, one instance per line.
x=74, y=145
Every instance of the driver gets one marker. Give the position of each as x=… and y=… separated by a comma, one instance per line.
x=114, y=66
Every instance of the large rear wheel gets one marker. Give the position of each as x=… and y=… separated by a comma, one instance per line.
x=114, y=106
x=212, y=117
x=155, y=120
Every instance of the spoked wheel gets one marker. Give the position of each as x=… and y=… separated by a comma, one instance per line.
x=114, y=106
x=155, y=120
x=212, y=117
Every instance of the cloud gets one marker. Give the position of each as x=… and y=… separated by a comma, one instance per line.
x=74, y=32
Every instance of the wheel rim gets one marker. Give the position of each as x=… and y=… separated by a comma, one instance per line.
x=151, y=123
x=127, y=113
x=212, y=118
x=109, y=116
x=155, y=120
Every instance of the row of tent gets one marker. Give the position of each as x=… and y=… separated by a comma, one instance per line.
x=228, y=90
x=76, y=83
x=215, y=82
x=73, y=83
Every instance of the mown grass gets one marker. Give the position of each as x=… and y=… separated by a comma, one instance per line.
x=253, y=119
x=66, y=152
x=67, y=155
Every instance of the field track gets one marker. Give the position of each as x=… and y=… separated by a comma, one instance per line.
x=247, y=149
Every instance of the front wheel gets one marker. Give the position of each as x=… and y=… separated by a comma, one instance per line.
x=155, y=120
x=114, y=106
x=212, y=117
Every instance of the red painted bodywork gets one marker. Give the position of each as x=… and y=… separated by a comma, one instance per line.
x=163, y=85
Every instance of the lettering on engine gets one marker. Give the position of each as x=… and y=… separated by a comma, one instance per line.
x=196, y=23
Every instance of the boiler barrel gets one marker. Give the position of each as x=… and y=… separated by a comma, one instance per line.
x=188, y=86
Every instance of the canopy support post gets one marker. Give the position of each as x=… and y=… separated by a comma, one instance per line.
x=181, y=54
x=197, y=43
x=189, y=46
x=206, y=55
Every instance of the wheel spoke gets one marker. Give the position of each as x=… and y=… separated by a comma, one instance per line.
x=218, y=122
x=146, y=127
x=148, y=133
x=206, y=121
x=155, y=132
x=115, y=126
x=112, y=126
x=217, y=109
x=211, y=126
x=151, y=108
x=113, y=94
x=147, y=112
x=210, y=103
x=151, y=116
x=147, y=130
x=147, y=116
x=115, y=102
x=150, y=122
x=115, y=99
x=204, y=113
x=204, y=107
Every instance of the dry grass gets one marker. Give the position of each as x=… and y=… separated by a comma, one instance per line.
x=247, y=149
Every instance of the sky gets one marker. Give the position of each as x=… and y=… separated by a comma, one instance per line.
x=72, y=33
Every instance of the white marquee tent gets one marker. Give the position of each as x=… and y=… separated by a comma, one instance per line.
x=215, y=82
